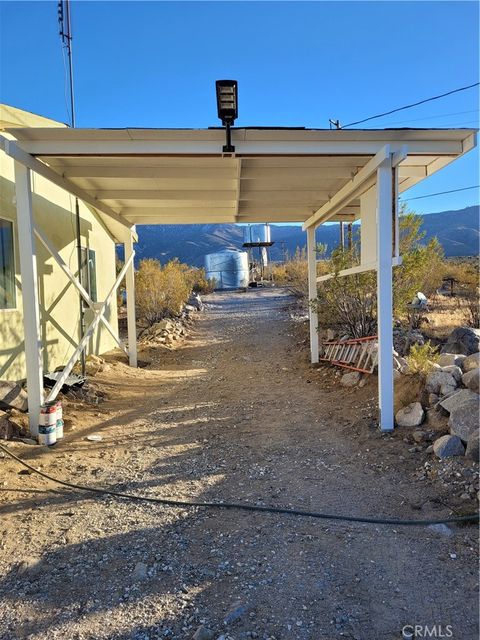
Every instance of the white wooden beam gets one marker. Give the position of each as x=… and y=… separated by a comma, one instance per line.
x=89, y=332
x=361, y=268
x=17, y=153
x=31, y=314
x=131, y=317
x=350, y=190
x=191, y=148
x=148, y=172
x=385, y=295
x=71, y=276
x=363, y=180
x=312, y=293
x=180, y=219
x=168, y=195
x=195, y=212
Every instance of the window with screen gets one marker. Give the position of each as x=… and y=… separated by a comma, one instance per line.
x=7, y=266
x=89, y=273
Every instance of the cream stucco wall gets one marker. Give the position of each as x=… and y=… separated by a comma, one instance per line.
x=368, y=226
x=53, y=210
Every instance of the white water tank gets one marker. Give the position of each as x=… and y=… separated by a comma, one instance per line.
x=254, y=233
x=229, y=268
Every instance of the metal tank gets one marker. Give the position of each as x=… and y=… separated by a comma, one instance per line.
x=229, y=268
x=256, y=234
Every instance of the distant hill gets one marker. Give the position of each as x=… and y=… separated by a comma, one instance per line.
x=457, y=231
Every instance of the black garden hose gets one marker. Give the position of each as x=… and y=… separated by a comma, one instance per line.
x=474, y=517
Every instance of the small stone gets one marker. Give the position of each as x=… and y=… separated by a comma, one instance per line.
x=410, y=416
x=420, y=436
x=235, y=613
x=350, y=379
x=441, y=529
x=202, y=633
x=448, y=446
x=140, y=571
x=433, y=399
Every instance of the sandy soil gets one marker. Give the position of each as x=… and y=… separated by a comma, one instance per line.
x=236, y=413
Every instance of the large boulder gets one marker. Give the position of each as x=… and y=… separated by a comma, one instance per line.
x=471, y=362
x=440, y=382
x=436, y=421
x=454, y=371
x=464, y=340
x=473, y=443
x=460, y=398
x=13, y=396
x=463, y=408
x=404, y=339
x=447, y=359
x=410, y=416
x=463, y=421
x=471, y=380
x=448, y=446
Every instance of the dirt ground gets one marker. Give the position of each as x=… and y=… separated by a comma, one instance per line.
x=235, y=414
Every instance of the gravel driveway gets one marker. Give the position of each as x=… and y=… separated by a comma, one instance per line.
x=235, y=414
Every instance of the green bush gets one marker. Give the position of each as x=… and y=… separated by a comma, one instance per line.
x=422, y=358
x=350, y=302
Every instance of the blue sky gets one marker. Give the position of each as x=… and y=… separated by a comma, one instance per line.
x=154, y=64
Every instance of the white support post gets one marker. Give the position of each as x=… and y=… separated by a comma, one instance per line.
x=31, y=314
x=131, y=320
x=312, y=292
x=385, y=295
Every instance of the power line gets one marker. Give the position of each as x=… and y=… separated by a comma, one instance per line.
x=439, y=115
x=414, y=104
x=441, y=193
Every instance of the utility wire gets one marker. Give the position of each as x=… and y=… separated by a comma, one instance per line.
x=409, y=106
x=441, y=193
x=438, y=115
x=474, y=517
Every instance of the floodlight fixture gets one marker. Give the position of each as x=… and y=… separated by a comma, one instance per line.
x=227, y=108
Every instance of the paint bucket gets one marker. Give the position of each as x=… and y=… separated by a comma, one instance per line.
x=59, y=427
x=47, y=424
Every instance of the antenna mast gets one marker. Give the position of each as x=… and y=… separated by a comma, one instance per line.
x=65, y=31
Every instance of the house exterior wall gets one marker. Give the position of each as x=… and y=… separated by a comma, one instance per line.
x=54, y=215
x=368, y=226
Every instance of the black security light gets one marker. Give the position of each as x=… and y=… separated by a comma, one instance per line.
x=227, y=108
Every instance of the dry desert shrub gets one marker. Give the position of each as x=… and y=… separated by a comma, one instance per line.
x=161, y=291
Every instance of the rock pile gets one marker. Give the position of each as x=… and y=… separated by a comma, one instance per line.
x=169, y=331
x=451, y=400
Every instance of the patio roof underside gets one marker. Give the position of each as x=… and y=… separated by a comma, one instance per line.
x=180, y=176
